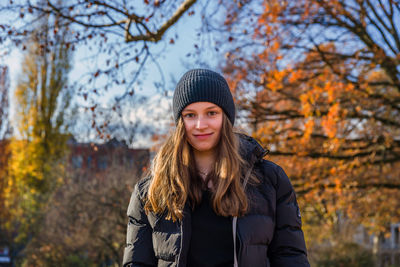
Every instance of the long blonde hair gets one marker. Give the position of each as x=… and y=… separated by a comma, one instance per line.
x=175, y=179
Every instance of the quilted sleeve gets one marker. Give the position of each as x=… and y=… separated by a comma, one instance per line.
x=287, y=247
x=139, y=246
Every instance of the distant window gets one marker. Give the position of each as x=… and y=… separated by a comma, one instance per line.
x=4, y=251
x=102, y=163
x=4, y=255
x=89, y=161
x=77, y=161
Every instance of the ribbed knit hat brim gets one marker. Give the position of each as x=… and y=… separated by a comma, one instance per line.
x=202, y=85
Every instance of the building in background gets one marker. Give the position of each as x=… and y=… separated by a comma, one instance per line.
x=91, y=157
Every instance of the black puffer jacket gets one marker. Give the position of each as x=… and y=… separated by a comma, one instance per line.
x=268, y=235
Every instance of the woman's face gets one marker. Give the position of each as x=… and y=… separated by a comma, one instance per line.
x=203, y=123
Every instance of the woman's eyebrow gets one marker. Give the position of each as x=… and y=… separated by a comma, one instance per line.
x=192, y=110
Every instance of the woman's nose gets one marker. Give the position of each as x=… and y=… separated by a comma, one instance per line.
x=201, y=123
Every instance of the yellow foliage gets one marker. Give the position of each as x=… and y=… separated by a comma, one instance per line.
x=34, y=170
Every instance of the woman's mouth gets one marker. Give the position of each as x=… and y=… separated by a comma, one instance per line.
x=202, y=136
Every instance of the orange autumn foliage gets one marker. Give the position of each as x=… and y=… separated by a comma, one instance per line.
x=324, y=96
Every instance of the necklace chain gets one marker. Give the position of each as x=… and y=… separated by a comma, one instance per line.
x=204, y=173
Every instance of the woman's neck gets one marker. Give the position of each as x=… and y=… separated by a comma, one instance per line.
x=204, y=161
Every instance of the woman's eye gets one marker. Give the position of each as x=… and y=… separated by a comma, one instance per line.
x=212, y=113
x=188, y=115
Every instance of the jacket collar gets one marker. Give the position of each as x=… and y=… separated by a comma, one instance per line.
x=250, y=150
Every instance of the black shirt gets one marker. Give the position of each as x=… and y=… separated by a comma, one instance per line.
x=211, y=243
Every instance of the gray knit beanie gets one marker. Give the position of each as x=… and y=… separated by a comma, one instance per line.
x=202, y=85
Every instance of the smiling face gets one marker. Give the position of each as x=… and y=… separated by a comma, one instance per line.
x=203, y=123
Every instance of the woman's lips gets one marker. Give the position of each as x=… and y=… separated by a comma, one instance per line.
x=202, y=136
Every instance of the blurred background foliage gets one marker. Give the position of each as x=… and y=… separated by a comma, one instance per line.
x=316, y=82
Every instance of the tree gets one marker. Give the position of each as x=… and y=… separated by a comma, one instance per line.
x=4, y=103
x=85, y=221
x=320, y=83
x=41, y=128
x=117, y=40
x=4, y=147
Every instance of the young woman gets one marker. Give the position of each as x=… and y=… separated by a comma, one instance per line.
x=211, y=198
